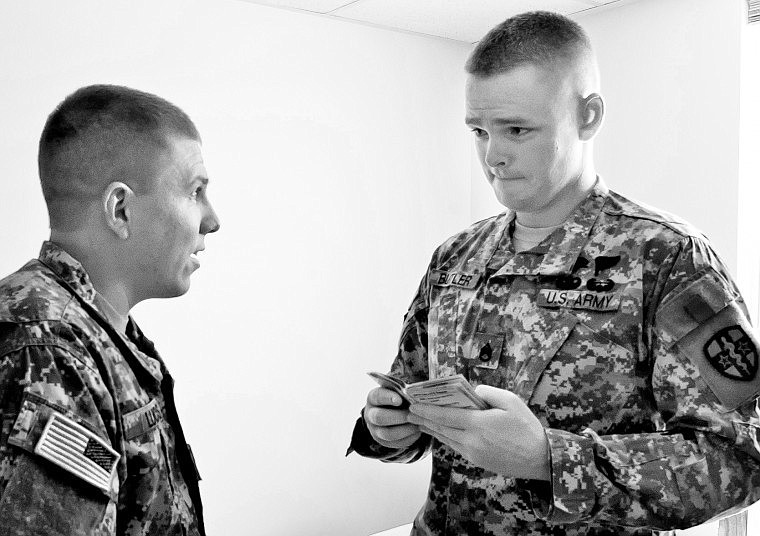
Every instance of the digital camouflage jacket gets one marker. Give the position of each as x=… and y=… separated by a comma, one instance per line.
x=90, y=442
x=625, y=335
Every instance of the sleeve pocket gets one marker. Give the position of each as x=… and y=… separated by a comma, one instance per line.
x=44, y=499
x=80, y=438
x=704, y=323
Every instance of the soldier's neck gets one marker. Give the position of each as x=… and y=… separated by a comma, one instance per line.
x=98, y=261
x=563, y=205
x=118, y=320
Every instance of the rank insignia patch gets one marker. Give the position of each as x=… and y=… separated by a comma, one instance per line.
x=732, y=353
x=486, y=350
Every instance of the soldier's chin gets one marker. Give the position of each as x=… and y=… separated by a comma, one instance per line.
x=510, y=199
x=183, y=289
x=514, y=204
x=178, y=289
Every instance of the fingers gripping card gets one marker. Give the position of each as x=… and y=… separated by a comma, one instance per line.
x=393, y=384
x=452, y=391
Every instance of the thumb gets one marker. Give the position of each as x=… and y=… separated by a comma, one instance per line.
x=496, y=398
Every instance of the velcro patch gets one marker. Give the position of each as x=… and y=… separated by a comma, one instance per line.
x=441, y=278
x=692, y=304
x=579, y=299
x=74, y=448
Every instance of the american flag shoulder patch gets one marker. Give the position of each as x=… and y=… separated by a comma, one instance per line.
x=77, y=450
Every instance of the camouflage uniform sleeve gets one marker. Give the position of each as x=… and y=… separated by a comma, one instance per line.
x=703, y=460
x=36, y=496
x=410, y=365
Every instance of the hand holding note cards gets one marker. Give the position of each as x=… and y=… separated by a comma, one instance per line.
x=451, y=391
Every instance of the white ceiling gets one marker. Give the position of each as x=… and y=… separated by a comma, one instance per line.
x=461, y=20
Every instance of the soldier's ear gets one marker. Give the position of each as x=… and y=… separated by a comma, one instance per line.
x=117, y=201
x=590, y=116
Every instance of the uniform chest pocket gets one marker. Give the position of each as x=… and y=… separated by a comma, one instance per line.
x=143, y=441
x=151, y=483
x=453, y=317
x=589, y=381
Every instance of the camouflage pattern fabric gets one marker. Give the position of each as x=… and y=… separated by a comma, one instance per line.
x=625, y=335
x=56, y=357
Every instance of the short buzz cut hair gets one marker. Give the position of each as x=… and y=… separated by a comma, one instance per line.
x=536, y=37
x=89, y=133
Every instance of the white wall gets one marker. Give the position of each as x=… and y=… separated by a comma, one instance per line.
x=748, y=270
x=749, y=167
x=337, y=156
x=671, y=78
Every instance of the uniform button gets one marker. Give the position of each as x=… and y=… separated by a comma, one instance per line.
x=510, y=385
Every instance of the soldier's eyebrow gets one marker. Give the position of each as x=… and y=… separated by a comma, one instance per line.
x=511, y=121
x=499, y=121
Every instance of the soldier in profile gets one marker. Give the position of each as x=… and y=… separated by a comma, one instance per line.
x=608, y=338
x=91, y=443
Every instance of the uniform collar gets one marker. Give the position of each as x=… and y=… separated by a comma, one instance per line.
x=67, y=268
x=557, y=253
x=73, y=274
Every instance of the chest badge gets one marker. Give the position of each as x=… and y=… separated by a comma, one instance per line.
x=571, y=281
x=598, y=295
x=732, y=353
x=602, y=263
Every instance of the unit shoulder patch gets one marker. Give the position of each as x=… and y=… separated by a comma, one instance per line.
x=732, y=353
x=724, y=350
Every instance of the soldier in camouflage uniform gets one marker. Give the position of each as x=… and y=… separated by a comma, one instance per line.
x=91, y=443
x=608, y=338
